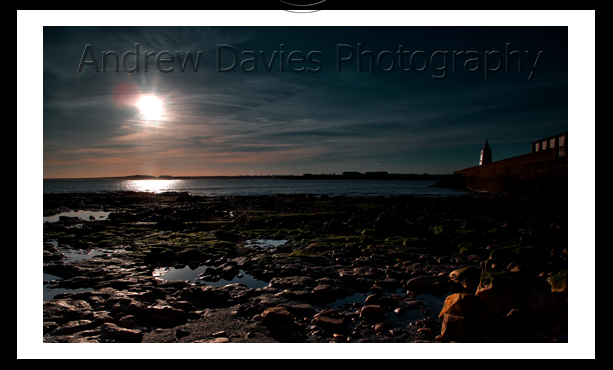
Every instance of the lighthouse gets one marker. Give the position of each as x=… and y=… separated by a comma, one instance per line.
x=486, y=154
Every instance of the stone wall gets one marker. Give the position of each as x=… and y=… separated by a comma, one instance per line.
x=543, y=171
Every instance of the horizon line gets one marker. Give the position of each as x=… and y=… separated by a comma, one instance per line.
x=163, y=177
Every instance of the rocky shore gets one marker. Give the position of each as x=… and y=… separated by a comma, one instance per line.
x=350, y=269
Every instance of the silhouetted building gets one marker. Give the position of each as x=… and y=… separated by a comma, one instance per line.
x=557, y=143
x=544, y=169
x=486, y=154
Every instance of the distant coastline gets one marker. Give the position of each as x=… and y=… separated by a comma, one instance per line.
x=306, y=176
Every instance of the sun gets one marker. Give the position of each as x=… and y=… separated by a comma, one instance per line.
x=151, y=107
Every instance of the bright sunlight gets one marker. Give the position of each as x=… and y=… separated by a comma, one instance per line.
x=151, y=107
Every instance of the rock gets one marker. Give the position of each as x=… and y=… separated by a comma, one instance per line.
x=408, y=305
x=377, y=289
x=559, y=283
x=381, y=328
x=505, y=290
x=468, y=278
x=292, y=282
x=200, y=296
x=180, y=333
x=277, y=317
x=127, y=321
x=371, y=311
x=119, y=334
x=329, y=322
x=219, y=340
x=49, y=326
x=422, y=284
x=329, y=293
x=72, y=327
x=389, y=301
x=453, y=327
x=101, y=317
x=302, y=309
x=372, y=299
x=163, y=316
x=468, y=306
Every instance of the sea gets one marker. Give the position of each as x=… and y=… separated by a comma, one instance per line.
x=253, y=187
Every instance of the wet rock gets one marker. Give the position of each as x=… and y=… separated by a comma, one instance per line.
x=120, y=334
x=372, y=312
x=372, y=299
x=329, y=321
x=389, y=301
x=101, y=317
x=301, y=309
x=403, y=306
x=277, y=318
x=329, y=293
x=163, y=316
x=200, y=296
x=292, y=282
x=422, y=284
x=75, y=326
x=127, y=321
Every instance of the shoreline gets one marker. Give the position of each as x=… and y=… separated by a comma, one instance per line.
x=387, y=248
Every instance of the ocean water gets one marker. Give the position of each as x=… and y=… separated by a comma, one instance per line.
x=225, y=187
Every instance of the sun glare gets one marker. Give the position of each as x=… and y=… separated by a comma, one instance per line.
x=151, y=107
x=154, y=186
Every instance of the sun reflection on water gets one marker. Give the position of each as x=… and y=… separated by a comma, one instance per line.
x=152, y=186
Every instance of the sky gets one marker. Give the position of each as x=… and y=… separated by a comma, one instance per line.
x=308, y=116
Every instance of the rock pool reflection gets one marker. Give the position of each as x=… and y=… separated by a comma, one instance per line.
x=265, y=243
x=79, y=214
x=188, y=274
x=427, y=305
x=49, y=291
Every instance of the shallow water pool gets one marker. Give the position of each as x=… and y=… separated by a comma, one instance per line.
x=188, y=274
x=432, y=306
x=49, y=292
x=264, y=243
x=81, y=214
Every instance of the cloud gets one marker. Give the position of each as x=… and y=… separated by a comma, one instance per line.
x=322, y=119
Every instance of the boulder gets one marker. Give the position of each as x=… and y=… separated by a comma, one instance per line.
x=453, y=327
x=505, y=290
x=468, y=278
x=469, y=306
